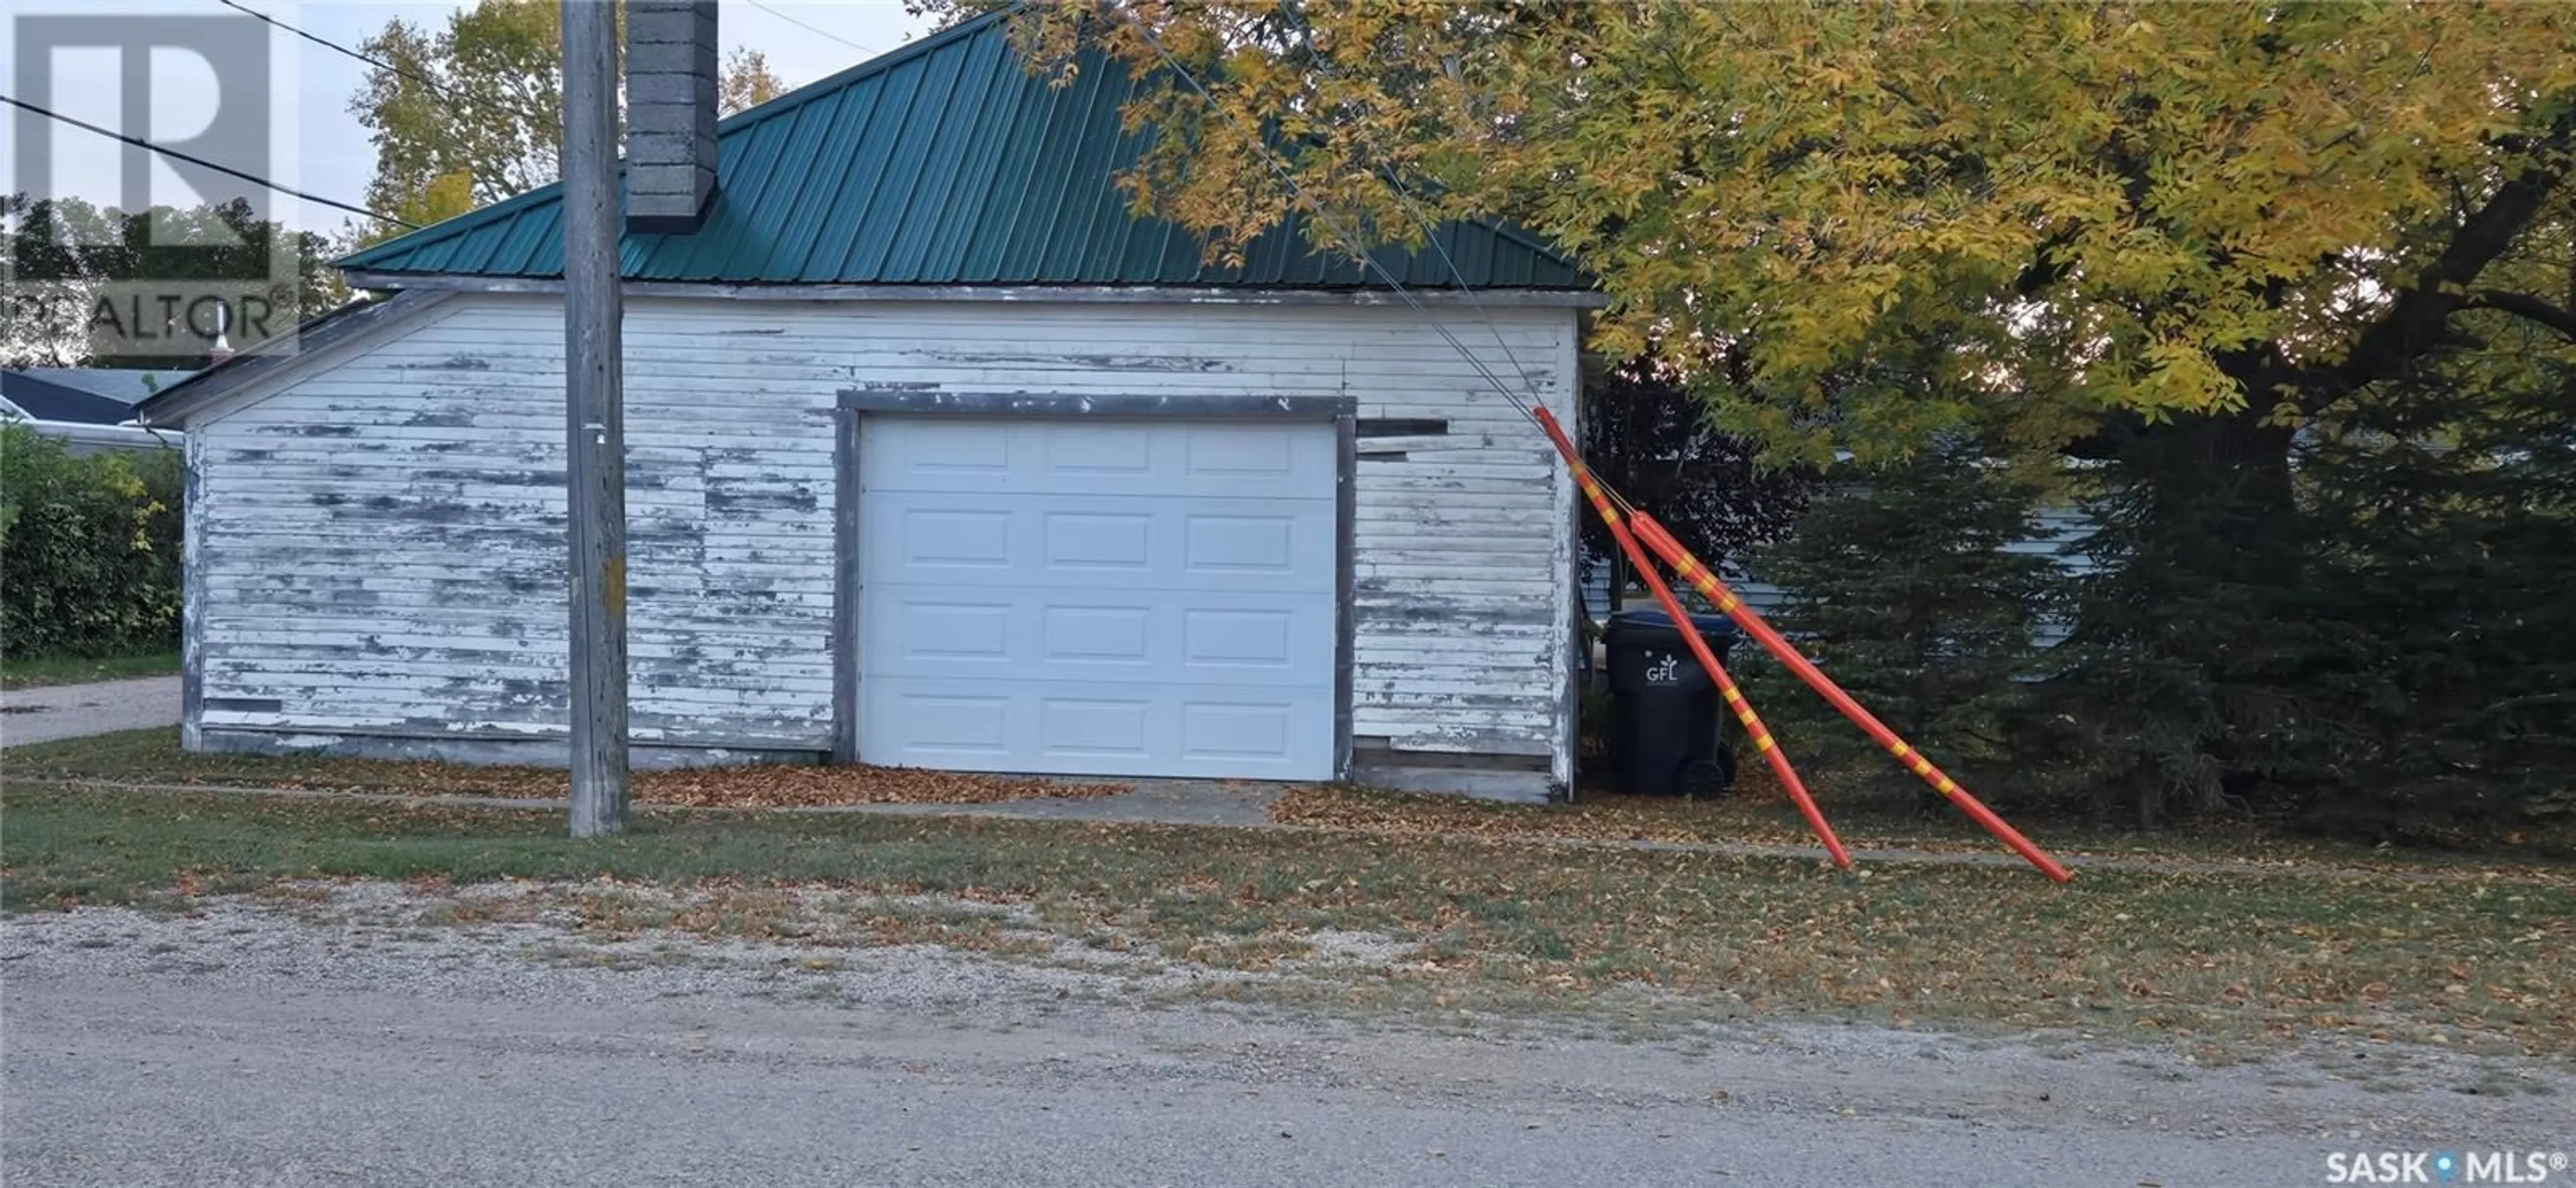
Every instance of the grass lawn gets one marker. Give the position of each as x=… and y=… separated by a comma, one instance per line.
x=1756, y=812
x=28, y=672
x=2226, y=964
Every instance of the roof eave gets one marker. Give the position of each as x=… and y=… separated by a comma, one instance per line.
x=172, y=406
x=1499, y=297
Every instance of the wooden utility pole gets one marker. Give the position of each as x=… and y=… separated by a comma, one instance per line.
x=595, y=418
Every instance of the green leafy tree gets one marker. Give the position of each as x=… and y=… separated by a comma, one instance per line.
x=1904, y=580
x=59, y=253
x=2446, y=512
x=2163, y=209
x=2164, y=236
x=747, y=81
x=473, y=112
x=89, y=548
x=1653, y=441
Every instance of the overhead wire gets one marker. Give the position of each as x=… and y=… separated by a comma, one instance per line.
x=1477, y=305
x=1806, y=670
x=1431, y=231
x=809, y=27
x=176, y=155
x=1502, y=340
x=1352, y=244
x=1350, y=241
x=379, y=63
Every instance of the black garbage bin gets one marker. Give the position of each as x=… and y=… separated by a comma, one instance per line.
x=1665, y=741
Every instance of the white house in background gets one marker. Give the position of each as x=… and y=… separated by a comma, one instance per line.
x=2060, y=530
x=937, y=458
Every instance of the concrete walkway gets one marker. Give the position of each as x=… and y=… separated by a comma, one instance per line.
x=1151, y=802
x=72, y=711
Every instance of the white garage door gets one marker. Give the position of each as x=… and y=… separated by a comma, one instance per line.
x=1105, y=597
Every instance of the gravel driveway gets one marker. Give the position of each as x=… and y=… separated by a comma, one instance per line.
x=70, y=711
x=306, y=1045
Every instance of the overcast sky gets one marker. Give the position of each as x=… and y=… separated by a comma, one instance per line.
x=322, y=149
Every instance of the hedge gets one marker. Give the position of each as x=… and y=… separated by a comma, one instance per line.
x=89, y=548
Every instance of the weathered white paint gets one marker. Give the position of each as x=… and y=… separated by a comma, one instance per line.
x=192, y=600
x=382, y=526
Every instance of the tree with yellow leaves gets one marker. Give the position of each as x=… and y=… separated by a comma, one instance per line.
x=473, y=113
x=2210, y=208
x=2168, y=236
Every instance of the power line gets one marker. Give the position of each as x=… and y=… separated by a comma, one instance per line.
x=811, y=28
x=378, y=63
x=1358, y=251
x=1431, y=231
x=176, y=155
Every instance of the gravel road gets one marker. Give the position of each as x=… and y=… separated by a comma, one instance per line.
x=325, y=1044
x=70, y=711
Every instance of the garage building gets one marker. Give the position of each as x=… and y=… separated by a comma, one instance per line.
x=937, y=457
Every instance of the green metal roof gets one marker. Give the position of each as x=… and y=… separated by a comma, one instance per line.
x=942, y=163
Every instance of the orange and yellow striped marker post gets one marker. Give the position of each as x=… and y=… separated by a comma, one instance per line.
x=1691, y=570
x=1645, y=567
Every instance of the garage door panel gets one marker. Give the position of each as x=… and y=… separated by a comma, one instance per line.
x=1253, y=640
x=1096, y=727
x=964, y=721
x=1242, y=637
x=1049, y=457
x=1233, y=730
x=1101, y=541
x=1245, y=542
x=1117, y=541
x=1073, y=728
x=1090, y=452
x=944, y=632
x=1237, y=457
x=1098, y=598
x=955, y=538
x=943, y=451
x=1120, y=635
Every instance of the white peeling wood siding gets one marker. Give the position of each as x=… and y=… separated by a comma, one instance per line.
x=385, y=543
x=382, y=542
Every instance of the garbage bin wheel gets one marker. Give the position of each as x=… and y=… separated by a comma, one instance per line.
x=1709, y=777
x=1703, y=777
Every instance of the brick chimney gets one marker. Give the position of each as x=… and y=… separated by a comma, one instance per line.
x=671, y=75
